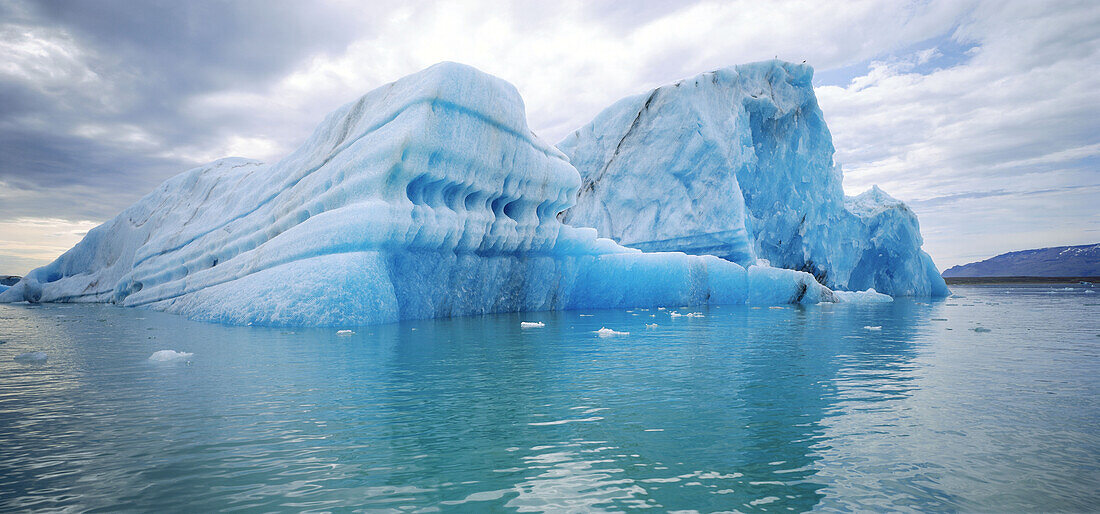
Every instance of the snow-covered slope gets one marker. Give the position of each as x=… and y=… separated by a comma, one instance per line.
x=427, y=197
x=1058, y=261
x=738, y=163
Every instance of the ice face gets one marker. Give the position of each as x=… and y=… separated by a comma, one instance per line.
x=427, y=197
x=738, y=163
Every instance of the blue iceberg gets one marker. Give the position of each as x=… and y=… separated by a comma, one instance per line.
x=738, y=163
x=427, y=197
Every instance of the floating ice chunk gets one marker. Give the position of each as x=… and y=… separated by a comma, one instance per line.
x=531, y=324
x=347, y=332
x=981, y=329
x=675, y=314
x=869, y=327
x=868, y=296
x=169, y=355
x=31, y=357
x=651, y=325
x=607, y=332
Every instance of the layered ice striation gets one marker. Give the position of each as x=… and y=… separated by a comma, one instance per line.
x=738, y=163
x=427, y=197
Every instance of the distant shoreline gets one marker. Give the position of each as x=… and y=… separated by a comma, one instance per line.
x=1019, y=280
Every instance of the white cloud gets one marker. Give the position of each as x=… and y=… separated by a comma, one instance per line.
x=1021, y=115
x=569, y=64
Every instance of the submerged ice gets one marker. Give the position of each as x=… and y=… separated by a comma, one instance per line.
x=738, y=163
x=427, y=197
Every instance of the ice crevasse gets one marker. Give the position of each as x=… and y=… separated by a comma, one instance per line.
x=739, y=163
x=427, y=197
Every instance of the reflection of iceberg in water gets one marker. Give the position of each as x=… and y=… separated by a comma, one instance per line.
x=569, y=482
x=751, y=398
x=750, y=404
x=798, y=407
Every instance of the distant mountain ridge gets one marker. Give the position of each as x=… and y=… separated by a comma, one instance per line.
x=1058, y=261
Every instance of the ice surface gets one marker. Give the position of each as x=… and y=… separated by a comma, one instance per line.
x=738, y=163
x=869, y=327
x=531, y=324
x=868, y=296
x=31, y=357
x=346, y=332
x=428, y=197
x=169, y=355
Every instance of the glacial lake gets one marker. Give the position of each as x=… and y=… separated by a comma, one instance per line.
x=900, y=406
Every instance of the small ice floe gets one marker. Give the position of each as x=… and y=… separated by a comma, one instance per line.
x=607, y=332
x=31, y=357
x=675, y=314
x=868, y=296
x=869, y=327
x=345, y=332
x=531, y=324
x=169, y=355
x=777, y=307
x=1090, y=291
x=585, y=315
x=651, y=325
x=981, y=329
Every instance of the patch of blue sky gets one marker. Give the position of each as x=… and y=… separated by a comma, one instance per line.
x=924, y=57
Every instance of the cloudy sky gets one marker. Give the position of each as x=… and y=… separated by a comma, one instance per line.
x=984, y=117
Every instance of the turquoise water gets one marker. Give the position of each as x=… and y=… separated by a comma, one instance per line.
x=745, y=409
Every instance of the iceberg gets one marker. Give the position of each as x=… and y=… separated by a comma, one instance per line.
x=427, y=197
x=738, y=163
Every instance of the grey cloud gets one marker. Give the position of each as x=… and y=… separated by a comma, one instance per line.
x=147, y=62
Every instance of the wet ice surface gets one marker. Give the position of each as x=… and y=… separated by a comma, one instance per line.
x=746, y=409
